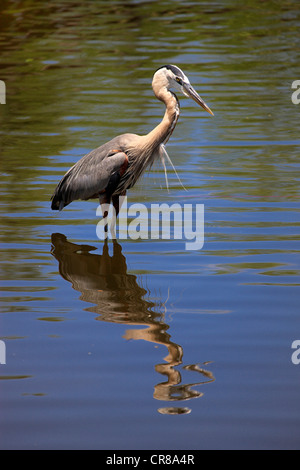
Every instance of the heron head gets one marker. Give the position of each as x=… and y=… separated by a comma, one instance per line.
x=171, y=76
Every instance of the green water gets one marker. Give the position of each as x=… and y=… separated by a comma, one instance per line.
x=147, y=345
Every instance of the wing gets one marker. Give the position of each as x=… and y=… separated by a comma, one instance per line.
x=90, y=176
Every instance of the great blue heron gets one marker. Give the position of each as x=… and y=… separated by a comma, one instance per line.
x=108, y=171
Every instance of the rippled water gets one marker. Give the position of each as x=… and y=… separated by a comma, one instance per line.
x=214, y=368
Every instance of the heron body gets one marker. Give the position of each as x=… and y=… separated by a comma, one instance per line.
x=108, y=171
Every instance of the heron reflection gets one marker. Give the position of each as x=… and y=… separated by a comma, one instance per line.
x=117, y=297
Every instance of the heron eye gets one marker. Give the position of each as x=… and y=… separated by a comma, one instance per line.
x=178, y=80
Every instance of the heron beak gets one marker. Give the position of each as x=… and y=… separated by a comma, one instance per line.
x=188, y=90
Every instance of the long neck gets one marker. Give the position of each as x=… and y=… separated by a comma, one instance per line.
x=161, y=133
x=146, y=148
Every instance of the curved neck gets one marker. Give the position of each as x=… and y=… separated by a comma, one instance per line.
x=161, y=133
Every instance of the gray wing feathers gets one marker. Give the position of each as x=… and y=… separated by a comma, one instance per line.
x=88, y=177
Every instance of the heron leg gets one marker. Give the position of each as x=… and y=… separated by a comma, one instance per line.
x=117, y=201
x=105, y=200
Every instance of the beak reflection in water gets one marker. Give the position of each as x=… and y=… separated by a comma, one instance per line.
x=117, y=297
